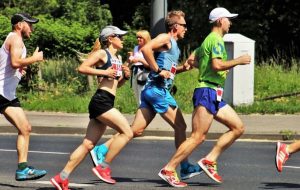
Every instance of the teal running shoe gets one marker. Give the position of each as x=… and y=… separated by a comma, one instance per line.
x=29, y=173
x=190, y=171
x=98, y=154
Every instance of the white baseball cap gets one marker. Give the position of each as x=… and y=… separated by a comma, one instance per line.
x=110, y=30
x=220, y=12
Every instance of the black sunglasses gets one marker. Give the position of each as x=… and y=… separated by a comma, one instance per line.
x=118, y=36
x=183, y=25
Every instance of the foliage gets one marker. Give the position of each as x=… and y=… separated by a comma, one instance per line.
x=288, y=134
x=5, y=27
x=272, y=24
x=59, y=88
x=272, y=79
x=61, y=38
x=141, y=17
x=129, y=41
x=64, y=25
x=62, y=70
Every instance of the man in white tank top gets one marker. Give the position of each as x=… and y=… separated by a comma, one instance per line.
x=12, y=61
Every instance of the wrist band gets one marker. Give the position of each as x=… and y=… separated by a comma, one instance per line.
x=158, y=70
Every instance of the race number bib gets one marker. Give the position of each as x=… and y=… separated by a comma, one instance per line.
x=173, y=71
x=219, y=92
x=117, y=65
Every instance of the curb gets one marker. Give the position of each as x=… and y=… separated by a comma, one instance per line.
x=158, y=133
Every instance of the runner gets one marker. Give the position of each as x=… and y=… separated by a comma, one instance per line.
x=109, y=70
x=12, y=62
x=155, y=97
x=211, y=59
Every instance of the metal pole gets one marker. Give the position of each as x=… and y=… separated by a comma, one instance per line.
x=158, y=14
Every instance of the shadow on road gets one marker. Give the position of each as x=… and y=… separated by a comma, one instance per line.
x=52, y=188
x=158, y=182
x=10, y=186
x=273, y=185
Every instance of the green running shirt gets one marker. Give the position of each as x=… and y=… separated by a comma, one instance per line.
x=212, y=47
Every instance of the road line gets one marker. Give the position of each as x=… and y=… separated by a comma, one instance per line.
x=70, y=184
x=32, y=151
x=293, y=167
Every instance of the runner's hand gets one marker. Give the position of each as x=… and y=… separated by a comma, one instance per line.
x=126, y=71
x=244, y=59
x=165, y=74
x=38, y=55
x=187, y=65
x=111, y=73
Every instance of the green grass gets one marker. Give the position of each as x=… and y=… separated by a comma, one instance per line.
x=69, y=92
x=271, y=80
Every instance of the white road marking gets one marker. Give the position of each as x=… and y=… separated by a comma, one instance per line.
x=70, y=184
x=294, y=167
x=32, y=151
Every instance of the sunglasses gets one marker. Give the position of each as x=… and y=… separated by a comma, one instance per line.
x=183, y=25
x=118, y=36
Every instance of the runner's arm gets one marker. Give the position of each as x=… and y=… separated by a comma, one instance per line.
x=16, y=49
x=87, y=67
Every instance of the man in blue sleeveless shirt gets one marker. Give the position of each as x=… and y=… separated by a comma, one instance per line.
x=156, y=98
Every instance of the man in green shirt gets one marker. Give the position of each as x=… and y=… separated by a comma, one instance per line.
x=211, y=59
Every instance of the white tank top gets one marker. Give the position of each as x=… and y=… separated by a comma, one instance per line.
x=9, y=77
x=137, y=54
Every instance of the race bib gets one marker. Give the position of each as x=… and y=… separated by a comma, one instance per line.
x=173, y=71
x=117, y=65
x=219, y=92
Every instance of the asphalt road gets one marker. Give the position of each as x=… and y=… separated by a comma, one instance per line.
x=245, y=166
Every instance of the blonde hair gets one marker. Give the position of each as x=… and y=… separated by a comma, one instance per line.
x=96, y=46
x=144, y=34
x=172, y=18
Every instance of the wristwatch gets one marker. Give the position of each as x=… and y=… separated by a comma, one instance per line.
x=158, y=70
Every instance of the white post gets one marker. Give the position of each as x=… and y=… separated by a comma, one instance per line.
x=239, y=85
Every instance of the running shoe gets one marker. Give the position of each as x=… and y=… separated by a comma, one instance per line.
x=281, y=155
x=29, y=173
x=190, y=171
x=171, y=178
x=210, y=168
x=60, y=184
x=104, y=173
x=98, y=154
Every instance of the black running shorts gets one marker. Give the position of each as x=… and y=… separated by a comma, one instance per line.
x=4, y=103
x=101, y=102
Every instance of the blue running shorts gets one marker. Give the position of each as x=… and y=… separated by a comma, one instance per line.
x=207, y=98
x=157, y=98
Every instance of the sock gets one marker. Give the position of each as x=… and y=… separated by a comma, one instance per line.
x=64, y=175
x=184, y=164
x=286, y=149
x=103, y=149
x=104, y=164
x=22, y=165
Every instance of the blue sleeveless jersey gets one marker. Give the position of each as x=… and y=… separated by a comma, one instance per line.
x=166, y=60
